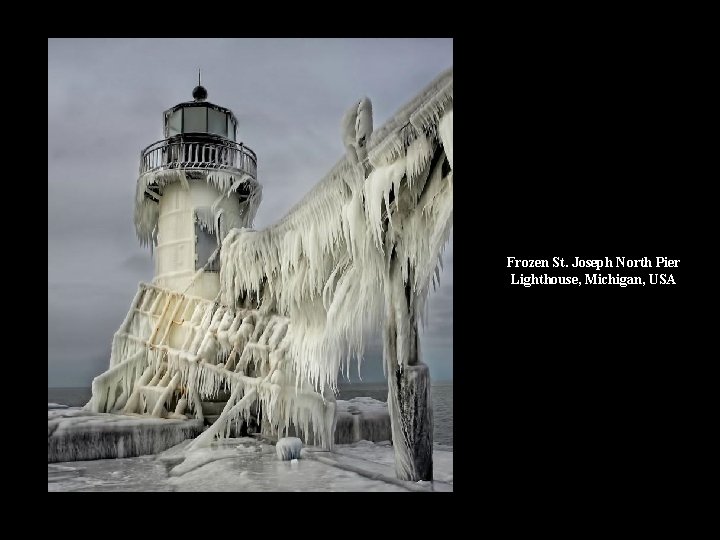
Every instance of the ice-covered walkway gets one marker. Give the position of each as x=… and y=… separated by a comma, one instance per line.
x=249, y=465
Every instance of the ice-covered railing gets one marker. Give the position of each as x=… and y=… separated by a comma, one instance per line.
x=326, y=264
x=175, y=349
x=188, y=152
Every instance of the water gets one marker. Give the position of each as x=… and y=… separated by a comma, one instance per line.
x=72, y=397
x=442, y=400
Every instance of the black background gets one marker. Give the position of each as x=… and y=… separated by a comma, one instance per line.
x=576, y=143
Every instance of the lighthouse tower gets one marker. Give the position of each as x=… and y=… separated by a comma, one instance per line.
x=195, y=185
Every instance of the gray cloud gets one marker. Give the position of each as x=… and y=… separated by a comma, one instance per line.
x=105, y=103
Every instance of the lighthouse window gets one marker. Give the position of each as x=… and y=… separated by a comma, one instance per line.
x=206, y=244
x=175, y=123
x=195, y=120
x=230, y=128
x=217, y=123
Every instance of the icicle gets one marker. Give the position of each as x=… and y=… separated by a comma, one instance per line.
x=446, y=135
x=431, y=111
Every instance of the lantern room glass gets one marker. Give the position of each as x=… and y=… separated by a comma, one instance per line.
x=175, y=123
x=195, y=120
x=217, y=122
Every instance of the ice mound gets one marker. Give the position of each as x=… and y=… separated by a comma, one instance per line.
x=75, y=434
x=288, y=448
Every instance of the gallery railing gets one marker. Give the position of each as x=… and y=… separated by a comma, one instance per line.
x=199, y=152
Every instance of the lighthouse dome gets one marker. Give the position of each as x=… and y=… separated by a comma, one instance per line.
x=199, y=93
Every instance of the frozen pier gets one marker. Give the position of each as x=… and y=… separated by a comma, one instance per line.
x=75, y=434
x=248, y=464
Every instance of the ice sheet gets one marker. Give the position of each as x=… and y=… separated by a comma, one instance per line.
x=229, y=468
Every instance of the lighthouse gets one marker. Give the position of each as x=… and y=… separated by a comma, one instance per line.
x=194, y=186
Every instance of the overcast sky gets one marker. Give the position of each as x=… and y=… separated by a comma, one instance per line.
x=105, y=103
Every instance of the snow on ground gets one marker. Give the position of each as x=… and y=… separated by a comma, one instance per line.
x=248, y=464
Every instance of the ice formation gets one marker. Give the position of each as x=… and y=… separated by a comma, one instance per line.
x=75, y=434
x=146, y=211
x=288, y=448
x=241, y=351
x=297, y=298
x=328, y=258
x=357, y=127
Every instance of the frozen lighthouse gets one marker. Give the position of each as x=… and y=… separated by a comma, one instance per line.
x=183, y=351
x=194, y=186
x=250, y=329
